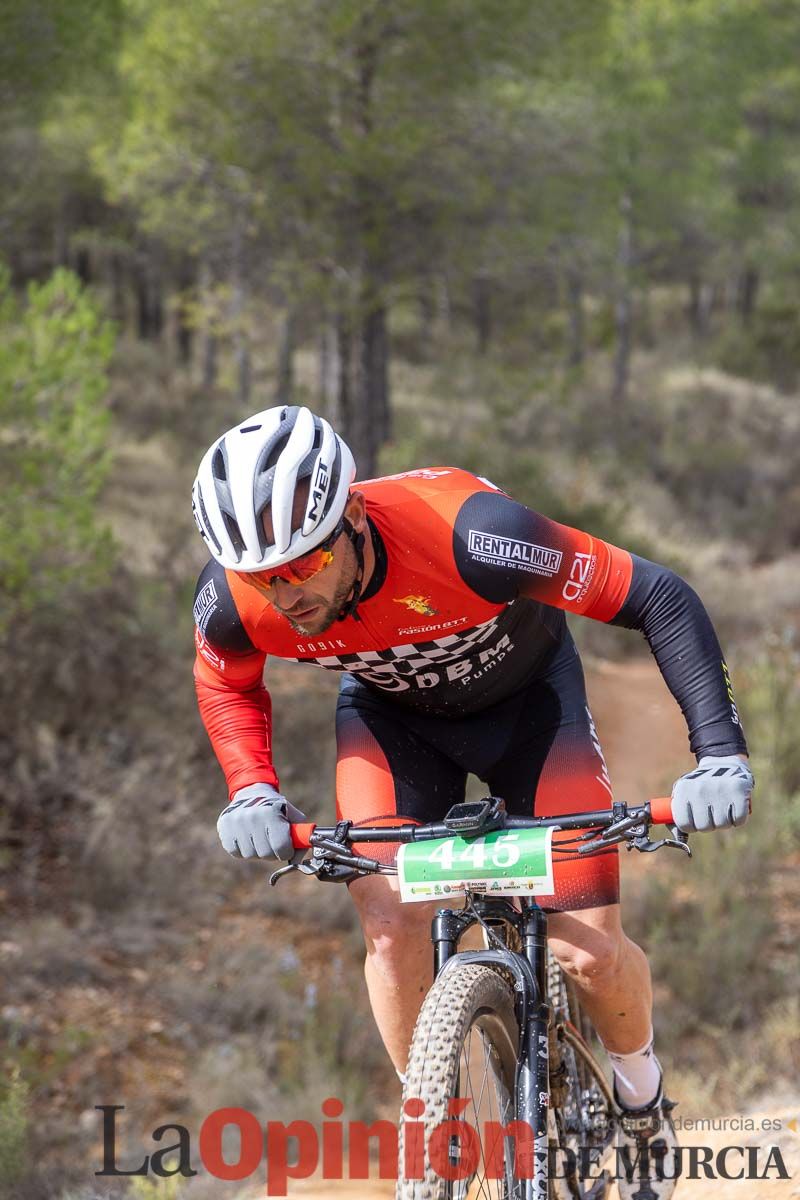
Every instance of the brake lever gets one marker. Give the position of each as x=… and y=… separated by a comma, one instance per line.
x=281, y=871
x=678, y=842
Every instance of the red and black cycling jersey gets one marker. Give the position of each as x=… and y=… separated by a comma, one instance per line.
x=465, y=607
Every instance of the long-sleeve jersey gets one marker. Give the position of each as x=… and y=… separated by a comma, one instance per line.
x=464, y=608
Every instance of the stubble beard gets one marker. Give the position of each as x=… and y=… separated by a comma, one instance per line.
x=329, y=613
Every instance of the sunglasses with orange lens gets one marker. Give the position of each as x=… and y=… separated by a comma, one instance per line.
x=299, y=570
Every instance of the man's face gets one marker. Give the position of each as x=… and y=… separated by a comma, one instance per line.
x=313, y=606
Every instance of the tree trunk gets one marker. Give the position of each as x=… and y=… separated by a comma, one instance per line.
x=210, y=366
x=119, y=308
x=482, y=311
x=694, y=308
x=747, y=293
x=372, y=418
x=623, y=308
x=241, y=342
x=576, y=338
x=444, y=306
x=345, y=400
x=285, y=371
x=209, y=334
x=326, y=370
x=426, y=302
x=149, y=303
x=644, y=326
x=184, y=331
x=373, y=386
x=702, y=298
x=142, y=303
x=83, y=265
x=60, y=236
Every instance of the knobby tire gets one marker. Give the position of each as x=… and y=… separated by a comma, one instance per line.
x=465, y=1045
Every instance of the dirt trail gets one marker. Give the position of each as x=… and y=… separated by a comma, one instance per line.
x=641, y=728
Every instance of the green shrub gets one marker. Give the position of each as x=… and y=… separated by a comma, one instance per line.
x=768, y=348
x=157, y=1189
x=523, y=428
x=771, y=713
x=713, y=928
x=13, y=1131
x=54, y=352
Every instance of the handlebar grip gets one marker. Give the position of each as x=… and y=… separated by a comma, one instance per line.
x=301, y=834
x=661, y=810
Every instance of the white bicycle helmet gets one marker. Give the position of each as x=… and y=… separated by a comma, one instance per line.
x=259, y=464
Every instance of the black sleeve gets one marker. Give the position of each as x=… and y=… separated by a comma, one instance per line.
x=215, y=613
x=501, y=548
x=678, y=629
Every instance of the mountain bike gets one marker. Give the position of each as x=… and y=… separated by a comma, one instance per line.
x=504, y=1096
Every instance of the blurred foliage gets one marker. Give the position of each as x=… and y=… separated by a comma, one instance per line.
x=722, y=918
x=171, y=1188
x=14, y=1121
x=771, y=711
x=768, y=348
x=530, y=432
x=54, y=353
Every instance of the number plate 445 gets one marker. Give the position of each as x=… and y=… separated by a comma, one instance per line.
x=513, y=862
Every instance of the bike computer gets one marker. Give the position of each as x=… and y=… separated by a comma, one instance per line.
x=477, y=816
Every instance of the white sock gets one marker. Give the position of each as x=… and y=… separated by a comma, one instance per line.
x=637, y=1075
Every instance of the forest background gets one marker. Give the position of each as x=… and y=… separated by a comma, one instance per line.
x=554, y=242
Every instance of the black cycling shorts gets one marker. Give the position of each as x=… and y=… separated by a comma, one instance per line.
x=538, y=749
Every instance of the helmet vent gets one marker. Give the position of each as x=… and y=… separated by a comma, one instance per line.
x=275, y=452
x=249, y=428
x=218, y=466
x=209, y=528
x=234, y=534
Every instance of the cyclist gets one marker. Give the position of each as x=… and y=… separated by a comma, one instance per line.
x=442, y=601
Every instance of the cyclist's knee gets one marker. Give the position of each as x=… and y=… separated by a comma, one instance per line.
x=389, y=927
x=596, y=961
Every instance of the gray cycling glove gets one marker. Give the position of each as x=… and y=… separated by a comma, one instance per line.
x=256, y=823
x=715, y=795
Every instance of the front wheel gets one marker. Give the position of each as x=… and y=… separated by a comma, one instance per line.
x=459, y=1091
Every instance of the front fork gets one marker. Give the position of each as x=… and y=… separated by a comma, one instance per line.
x=529, y=971
x=533, y=1086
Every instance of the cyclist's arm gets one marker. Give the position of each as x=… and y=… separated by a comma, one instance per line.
x=506, y=550
x=234, y=704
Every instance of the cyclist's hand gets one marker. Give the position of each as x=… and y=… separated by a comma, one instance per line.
x=715, y=795
x=256, y=823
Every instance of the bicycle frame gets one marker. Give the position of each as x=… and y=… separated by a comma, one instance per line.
x=529, y=971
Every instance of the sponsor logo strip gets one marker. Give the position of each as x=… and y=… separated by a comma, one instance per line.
x=489, y=548
x=204, y=605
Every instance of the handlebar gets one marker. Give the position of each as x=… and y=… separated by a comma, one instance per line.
x=661, y=810
x=335, y=856
x=657, y=811
x=301, y=834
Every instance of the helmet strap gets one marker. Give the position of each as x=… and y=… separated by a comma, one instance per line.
x=350, y=605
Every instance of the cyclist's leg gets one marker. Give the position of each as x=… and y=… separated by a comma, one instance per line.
x=384, y=770
x=555, y=755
